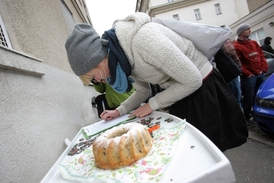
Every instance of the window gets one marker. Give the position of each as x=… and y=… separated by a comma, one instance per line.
x=68, y=16
x=176, y=17
x=218, y=9
x=197, y=14
x=4, y=39
x=258, y=36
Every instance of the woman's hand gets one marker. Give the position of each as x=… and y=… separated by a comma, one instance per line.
x=142, y=111
x=109, y=114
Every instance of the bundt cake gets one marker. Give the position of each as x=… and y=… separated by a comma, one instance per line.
x=121, y=146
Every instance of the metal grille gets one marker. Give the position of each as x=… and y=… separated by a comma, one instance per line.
x=3, y=41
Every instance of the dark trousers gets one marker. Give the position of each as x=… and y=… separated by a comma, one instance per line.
x=235, y=87
x=249, y=89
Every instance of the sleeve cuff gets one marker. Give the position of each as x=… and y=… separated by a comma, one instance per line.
x=153, y=104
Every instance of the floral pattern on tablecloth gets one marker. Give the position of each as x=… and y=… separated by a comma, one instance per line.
x=148, y=169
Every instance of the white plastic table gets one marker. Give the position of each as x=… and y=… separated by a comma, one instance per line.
x=197, y=159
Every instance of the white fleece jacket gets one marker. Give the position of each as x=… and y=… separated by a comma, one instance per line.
x=158, y=55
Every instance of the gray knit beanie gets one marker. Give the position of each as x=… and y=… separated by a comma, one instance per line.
x=85, y=49
x=242, y=28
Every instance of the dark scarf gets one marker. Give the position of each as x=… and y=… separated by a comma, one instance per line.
x=118, y=64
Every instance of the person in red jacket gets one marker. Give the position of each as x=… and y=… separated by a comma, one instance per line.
x=254, y=66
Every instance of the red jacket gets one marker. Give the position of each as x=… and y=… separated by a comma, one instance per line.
x=251, y=57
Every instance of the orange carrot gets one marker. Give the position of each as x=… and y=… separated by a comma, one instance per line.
x=153, y=128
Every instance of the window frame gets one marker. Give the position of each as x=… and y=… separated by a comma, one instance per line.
x=176, y=17
x=218, y=9
x=68, y=16
x=5, y=34
x=255, y=35
x=197, y=14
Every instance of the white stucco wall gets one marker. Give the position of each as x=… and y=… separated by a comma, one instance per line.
x=157, y=2
x=37, y=113
x=42, y=102
x=258, y=19
x=208, y=13
x=241, y=8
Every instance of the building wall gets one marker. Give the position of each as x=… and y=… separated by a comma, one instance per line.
x=42, y=102
x=185, y=10
x=259, y=14
x=258, y=19
x=241, y=8
x=254, y=4
x=44, y=32
x=207, y=11
x=157, y=2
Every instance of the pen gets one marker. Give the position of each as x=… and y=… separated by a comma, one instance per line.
x=103, y=104
x=104, y=109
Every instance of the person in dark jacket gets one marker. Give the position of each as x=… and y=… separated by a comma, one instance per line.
x=266, y=46
x=234, y=84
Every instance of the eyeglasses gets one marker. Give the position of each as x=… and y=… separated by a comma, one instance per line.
x=93, y=81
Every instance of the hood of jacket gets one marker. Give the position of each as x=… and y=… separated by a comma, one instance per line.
x=126, y=29
x=267, y=40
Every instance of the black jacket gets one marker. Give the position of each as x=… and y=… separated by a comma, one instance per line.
x=266, y=46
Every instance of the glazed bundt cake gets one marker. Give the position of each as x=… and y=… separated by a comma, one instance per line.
x=121, y=146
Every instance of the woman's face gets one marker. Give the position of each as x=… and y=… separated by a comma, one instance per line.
x=100, y=73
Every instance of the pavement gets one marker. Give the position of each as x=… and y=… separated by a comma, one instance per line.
x=253, y=162
x=256, y=134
